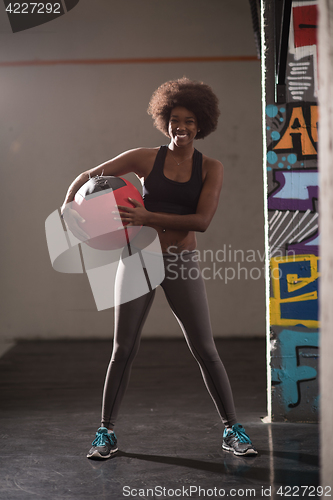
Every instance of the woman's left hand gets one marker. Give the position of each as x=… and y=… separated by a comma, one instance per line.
x=136, y=216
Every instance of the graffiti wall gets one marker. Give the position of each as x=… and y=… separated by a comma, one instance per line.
x=292, y=137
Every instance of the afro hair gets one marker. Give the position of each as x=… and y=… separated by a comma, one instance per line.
x=194, y=96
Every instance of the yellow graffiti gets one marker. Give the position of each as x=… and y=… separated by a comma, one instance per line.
x=293, y=283
x=297, y=125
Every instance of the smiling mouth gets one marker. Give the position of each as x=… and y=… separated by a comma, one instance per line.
x=181, y=135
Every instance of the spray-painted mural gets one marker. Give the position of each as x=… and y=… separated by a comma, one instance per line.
x=294, y=360
x=292, y=137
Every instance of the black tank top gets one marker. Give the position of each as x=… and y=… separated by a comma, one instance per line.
x=161, y=194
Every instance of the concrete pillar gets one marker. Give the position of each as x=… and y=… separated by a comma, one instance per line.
x=290, y=83
x=326, y=229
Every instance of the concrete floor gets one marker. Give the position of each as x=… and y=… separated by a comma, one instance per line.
x=169, y=433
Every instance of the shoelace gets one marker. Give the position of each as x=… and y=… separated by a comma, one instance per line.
x=102, y=437
x=239, y=432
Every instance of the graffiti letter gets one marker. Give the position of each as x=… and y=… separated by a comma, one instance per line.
x=296, y=135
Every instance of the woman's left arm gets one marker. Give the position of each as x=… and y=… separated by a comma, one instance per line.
x=207, y=205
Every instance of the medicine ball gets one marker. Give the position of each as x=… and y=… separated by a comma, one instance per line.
x=95, y=201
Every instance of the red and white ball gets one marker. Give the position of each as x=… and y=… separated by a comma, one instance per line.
x=96, y=201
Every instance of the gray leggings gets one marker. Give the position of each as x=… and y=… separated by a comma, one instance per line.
x=185, y=291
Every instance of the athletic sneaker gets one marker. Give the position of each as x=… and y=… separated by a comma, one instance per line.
x=104, y=444
x=236, y=440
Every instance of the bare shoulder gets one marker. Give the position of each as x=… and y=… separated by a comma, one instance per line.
x=139, y=160
x=142, y=151
x=139, y=153
x=211, y=167
x=145, y=158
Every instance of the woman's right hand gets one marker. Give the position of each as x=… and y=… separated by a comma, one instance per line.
x=73, y=221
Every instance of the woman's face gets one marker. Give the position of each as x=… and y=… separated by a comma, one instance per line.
x=183, y=126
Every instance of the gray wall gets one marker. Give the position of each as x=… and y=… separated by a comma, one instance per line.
x=60, y=119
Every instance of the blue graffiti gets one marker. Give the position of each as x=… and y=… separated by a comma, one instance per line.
x=302, y=309
x=290, y=374
x=297, y=189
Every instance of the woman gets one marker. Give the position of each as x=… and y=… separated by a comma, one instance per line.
x=181, y=189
